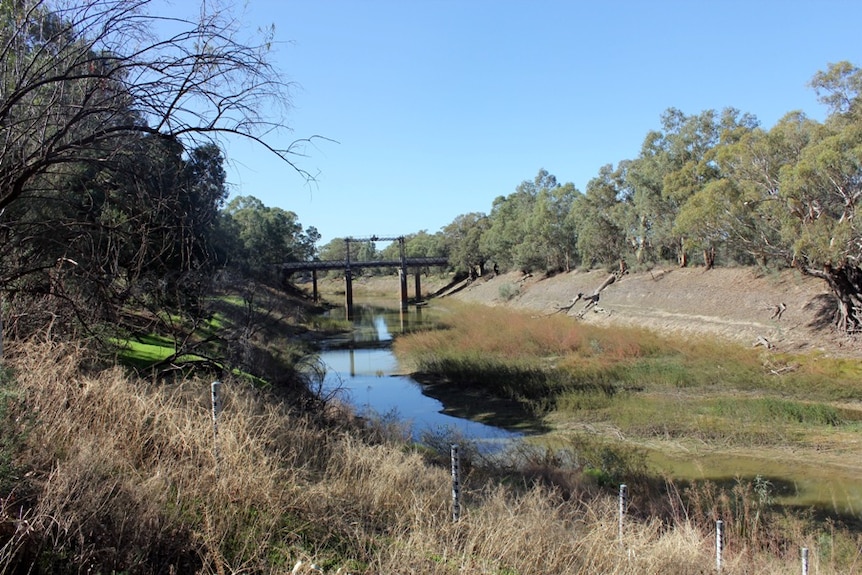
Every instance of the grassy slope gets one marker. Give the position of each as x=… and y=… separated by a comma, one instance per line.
x=730, y=303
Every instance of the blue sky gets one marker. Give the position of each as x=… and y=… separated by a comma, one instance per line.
x=440, y=106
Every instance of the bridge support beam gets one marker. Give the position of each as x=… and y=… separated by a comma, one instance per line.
x=418, y=286
x=402, y=276
x=315, y=296
x=348, y=293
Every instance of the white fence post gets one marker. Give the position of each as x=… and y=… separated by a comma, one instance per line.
x=805, y=561
x=623, y=504
x=216, y=410
x=719, y=543
x=456, y=483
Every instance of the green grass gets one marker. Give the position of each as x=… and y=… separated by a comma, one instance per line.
x=483, y=346
x=145, y=351
x=776, y=410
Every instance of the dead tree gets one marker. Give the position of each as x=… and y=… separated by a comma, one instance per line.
x=778, y=310
x=593, y=299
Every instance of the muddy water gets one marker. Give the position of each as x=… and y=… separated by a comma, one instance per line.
x=363, y=371
x=835, y=491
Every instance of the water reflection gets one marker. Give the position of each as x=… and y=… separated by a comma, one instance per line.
x=364, y=372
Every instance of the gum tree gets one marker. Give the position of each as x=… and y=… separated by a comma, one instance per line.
x=792, y=193
x=823, y=191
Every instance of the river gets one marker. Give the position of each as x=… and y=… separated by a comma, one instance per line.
x=362, y=371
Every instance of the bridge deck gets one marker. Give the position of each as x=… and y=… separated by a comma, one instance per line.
x=342, y=264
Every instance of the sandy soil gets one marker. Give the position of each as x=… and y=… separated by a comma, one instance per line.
x=736, y=304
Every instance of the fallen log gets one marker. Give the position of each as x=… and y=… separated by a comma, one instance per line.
x=593, y=299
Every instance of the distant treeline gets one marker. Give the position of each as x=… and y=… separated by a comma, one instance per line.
x=709, y=189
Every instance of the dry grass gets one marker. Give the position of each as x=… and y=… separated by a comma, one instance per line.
x=117, y=474
x=512, y=334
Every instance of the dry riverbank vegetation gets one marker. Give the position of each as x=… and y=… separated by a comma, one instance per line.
x=116, y=474
x=108, y=472
x=734, y=304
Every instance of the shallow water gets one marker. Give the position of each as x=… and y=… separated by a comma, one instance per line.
x=364, y=372
x=793, y=484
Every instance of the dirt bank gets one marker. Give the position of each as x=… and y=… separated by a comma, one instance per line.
x=737, y=304
x=733, y=303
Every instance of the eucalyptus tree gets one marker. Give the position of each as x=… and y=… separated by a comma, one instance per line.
x=462, y=239
x=791, y=194
x=650, y=212
x=822, y=193
x=675, y=163
x=744, y=208
x=512, y=239
x=421, y=245
x=691, y=186
x=334, y=250
x=551, y=233
x=263, y=238
x=601, y=237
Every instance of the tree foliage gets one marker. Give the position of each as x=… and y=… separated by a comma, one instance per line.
x=262, y=238
x=111, y=174
x=601, y=237
x=712, y=188
x=530, y=229
x=82, y=81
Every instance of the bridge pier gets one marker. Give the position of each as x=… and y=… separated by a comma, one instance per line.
x=418, y=286
x=348, y=293
x=402, y=264
x=402, y=277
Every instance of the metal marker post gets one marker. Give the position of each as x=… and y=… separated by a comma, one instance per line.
x=805, y=561
x=216, y=409
x=623, y=504
x=719, y=540
x=456, y=483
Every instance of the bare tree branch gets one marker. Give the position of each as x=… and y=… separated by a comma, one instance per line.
x=81, y=79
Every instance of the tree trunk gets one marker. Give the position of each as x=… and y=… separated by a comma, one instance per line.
x=845, y=282
x=682, y=256
x=709, y=257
